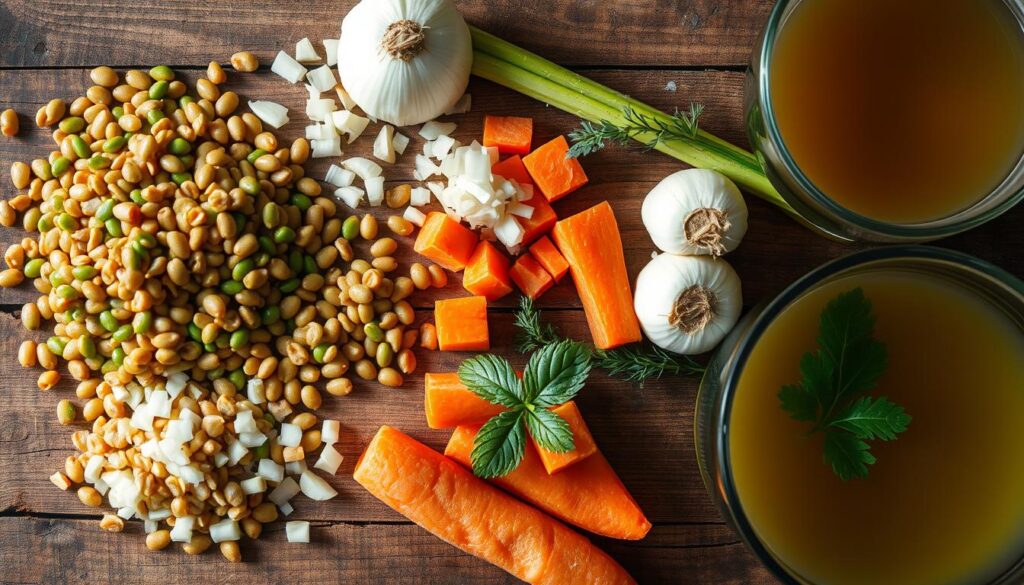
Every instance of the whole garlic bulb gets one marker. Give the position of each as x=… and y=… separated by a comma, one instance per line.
x=405, y=61
x=695, y=212
x=687, y=304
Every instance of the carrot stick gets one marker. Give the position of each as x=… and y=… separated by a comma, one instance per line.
x=591, y=245
x=450, y=502
x=588, y=494
x=449, y=404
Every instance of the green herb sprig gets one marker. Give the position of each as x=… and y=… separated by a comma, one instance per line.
x=553, y=376
x=848, y=363
x=589, y=137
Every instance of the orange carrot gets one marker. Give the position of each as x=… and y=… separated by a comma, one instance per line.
x=540, y=223
x=445, y=241
x=530, y=277
x=512, y=168
x=583, y=441
x=508, y=133
x=591, y=245
x=487, y=273
x=462, y=324
x=550, y=258
x=552, y=172
x=449, y=404
x=467, y=512
x=588, y=494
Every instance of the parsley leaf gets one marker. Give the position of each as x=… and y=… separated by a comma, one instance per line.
x=848, y=363
x=550, y=430
x=556, y=373
x=499, y=445
x=493, y=379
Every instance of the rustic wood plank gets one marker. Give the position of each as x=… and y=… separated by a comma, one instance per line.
x=43, y=550
x=44, y=33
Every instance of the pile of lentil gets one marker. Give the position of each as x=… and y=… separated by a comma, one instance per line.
x=174, y=235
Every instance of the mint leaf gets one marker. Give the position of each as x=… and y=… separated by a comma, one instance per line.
x=493, y=379
x=873, y=418
x=556, y=373
x=499, y=445
x=550, y=430
x=848, y=455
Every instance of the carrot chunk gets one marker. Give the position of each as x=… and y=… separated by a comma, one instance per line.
x=552, y=172
x=591, y=245
x=512, y=168
x=509, y=133
x=550, y=258
x=449, y=404
x=588, y=495
x=467, y=512
x=445, y=241
x=583, y=441
x=487, y=273
x=462, y=324
x=540, y=223
x=530, y=277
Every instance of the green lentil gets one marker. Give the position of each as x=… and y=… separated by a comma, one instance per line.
x=162, y=73
x=84, y=272
x=158, y=90
x=117, y=356
x=108, y=321
x=56, y=345
x=122, y=333
x=87, y=347
x=250, y=185
x=80, y=147
x=231, y=287
x=180, y=147
x=155, y=116
x=34, y=267
x=373, y=331
x=72, y=125
x=284, y=235
x=142, y=322
x=114, y=144
x=113, y=227
x=239, y=339
x=350, y=228
x=59, y=166
x=98, y=162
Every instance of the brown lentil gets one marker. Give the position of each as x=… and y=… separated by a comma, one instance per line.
x=245, y=61
x=438, y=276
x=158, y=540
x=112, y=523
x=9, y=125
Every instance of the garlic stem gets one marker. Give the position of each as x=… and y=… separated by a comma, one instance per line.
x=404, y=39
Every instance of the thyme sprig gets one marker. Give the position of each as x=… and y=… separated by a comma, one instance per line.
x=590, y=137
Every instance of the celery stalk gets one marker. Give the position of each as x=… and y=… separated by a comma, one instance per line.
x=506, y=64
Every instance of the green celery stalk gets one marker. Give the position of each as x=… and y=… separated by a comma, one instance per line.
x=518, y=69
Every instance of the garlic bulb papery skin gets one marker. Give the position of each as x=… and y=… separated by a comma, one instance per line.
x=687, y=304
x=695, y=212
x=405, y=61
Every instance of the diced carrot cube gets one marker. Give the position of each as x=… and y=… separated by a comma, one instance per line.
x=446, y=241
x=583, y=442
x=448, y=403
x=487, y=273
x=513, y=168
x=530, y=277
x=553, y=173
x=545, y=252
x=509, y=133
x=540, y=223
x=462, y=324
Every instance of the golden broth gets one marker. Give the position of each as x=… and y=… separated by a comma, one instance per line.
x=901, y=110
x=944, y=504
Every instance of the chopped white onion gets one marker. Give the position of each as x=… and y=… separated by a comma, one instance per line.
x=291, y=435
x=245, y=423
x=255, y=391
x=326, y=147
x=271, y=113
x=508, y=231
x=331, y=49
x=176, y=383
x=290, y=69
x=220, y=459
x=297, y=531
x=159, y=514
x=400, y=142
x=322, y=78
x=286, y=509
x=521, y=210
x=477, y=165
x=285, y=491
x=190, y=474
x=349, y=124
x=182, y=531
x=236, y=450
x=420, y=196
x=160, y=404
x=339, y=177
x=320, y=110
x=180, y=431
x=126, y=513
x=330, y=431
x=329, y=461
x=305, y=53
x=226, y=530
x=346, y=99
x=93, y=467
x=252, y=439
x=432, y=129
x=271, y=470
x=315, y=487
x=142, y=418
x=425, y=168
x=383, y=146
x=414, y=216
x=462, y=106
x=374, y=190
x=442, y=146
x=295, y=467
x=150, y=526
x=254, y=485
x=436, y=187
x=350, y=195
x=364, y=168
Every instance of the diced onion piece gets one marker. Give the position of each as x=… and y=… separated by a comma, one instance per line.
x=305, y=53
x=484, y=194
x=160, y=404
x=142, y=418
x=150, y=526
x=93, y=467
x=346, y=99
x=255, y=391
x=374, y=190
x=493, y=154
x=220, y=459
x=364, y=168
x=286, y=509
x=182, y=531
x=349, y=124
x=126, y=513
x=350, y=195
x=425, y=168
x=190, y=474
x=383, y=146
x=329, y=461
x=330, y=431
x=290, y=69
x=420, y=196
x=508, y=231
x=297, y=531
x=271, y=113
x=436, y=187
x=159, y=514
x=254, y=485
x=521, y=210
x=443, y=146
x=176, y=382
x=325, y=148
x=295, y=467
x=320, y=110
x=339, y=177
x=322, y=78
x=400, y=142
x=236, y=451
x=432, y=129
x=315, y=487
x=477, y=165
x=331, y=50
x=271, y=470
x=245, y=423
x=181, y=431
x=285, y=491
x=313, y=132
x=291, y=435
x=464, y=105
x=225, y=531
x=414, y=216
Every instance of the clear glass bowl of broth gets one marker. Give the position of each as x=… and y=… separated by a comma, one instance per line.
x=944, y=502
x=891, y=120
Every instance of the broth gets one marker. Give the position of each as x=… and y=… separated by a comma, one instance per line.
x=902, y=111
x=944, y=504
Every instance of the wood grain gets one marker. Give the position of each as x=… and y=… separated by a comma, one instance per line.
x=53, y=33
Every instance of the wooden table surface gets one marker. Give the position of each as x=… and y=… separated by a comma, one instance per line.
x=636, y=46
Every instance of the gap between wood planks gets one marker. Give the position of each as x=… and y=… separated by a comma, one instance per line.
x=265, y=67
